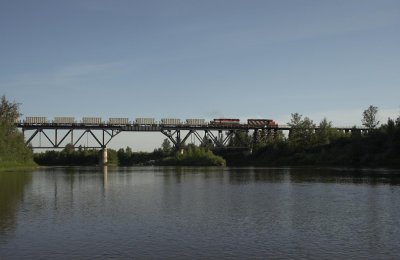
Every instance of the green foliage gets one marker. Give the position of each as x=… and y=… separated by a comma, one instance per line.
x=369, y=117
x=128, y=158
x=327, y=146
x=240, y=139
x=301, y=133
x=9, y=111
x=13, y=151
x=323, y=133
x=112, y=157
x=207, y=143
x=194, y=156
x=71, y=157
x=166, y=146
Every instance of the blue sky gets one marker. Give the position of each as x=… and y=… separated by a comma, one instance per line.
x=201, y=59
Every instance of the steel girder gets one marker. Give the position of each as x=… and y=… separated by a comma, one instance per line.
x=57, y=140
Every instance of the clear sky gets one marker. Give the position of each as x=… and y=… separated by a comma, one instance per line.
x=201, y=59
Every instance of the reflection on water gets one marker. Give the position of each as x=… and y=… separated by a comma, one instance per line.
x=197, y=212
x=11, y=195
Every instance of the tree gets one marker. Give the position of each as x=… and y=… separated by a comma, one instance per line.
x=369, y=117
x=240, y=139
x=398, y=121
x=207, y=143
x=324, y=132
x=9, y=111
x=13, y=151
x=301, y=132
x=166, y=146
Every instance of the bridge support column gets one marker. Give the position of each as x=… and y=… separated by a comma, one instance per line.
x=104, y=157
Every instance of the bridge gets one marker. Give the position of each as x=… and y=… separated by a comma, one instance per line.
x=62, y=131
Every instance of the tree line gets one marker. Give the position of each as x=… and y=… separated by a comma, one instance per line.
x=324, y=145
x=166, y=155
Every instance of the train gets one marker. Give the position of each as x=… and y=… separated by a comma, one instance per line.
x=119, y=121
x=262, y=122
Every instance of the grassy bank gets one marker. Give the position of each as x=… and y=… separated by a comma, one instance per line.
x=17, y=166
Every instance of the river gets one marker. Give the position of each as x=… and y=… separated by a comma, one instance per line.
x=200, y=213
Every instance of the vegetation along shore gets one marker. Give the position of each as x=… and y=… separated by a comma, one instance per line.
x=14, y=154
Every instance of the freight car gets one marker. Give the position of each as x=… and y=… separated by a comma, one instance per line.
x=196, y=122
x=225, y=121
x=170, y=121
x=91, y=120
x=145, y=121
x=64, y=120
x=118, y=121
x=36, y=120
x=261, y=123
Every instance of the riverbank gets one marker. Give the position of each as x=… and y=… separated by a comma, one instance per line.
x=12, y=167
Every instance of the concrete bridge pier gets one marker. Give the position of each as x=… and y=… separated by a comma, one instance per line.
x=104, y=157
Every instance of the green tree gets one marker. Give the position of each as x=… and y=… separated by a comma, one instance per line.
x=398, y=121
x=324, y=133
x=9, y=111
x=207, y=143
x=240, y=139
x=369, y=117
x=112, y=157
x=301, y=132
x=13, y=151
x=166, y=146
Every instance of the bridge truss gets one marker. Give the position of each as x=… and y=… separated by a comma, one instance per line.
x=220, y=136
x=59, y=136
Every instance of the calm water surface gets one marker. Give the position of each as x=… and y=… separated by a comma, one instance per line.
x=200, y=213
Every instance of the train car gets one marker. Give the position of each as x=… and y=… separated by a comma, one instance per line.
x=170, y=121
x=91, y=120
x=145, y=121
x=36, y=120
x=196, y=122
x=225, y=121
x=62, y=120
x=118, y=121
x=262, y=123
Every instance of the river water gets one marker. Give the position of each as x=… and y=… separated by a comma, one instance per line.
x=200, y=213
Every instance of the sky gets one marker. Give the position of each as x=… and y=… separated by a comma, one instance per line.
x=201, y=59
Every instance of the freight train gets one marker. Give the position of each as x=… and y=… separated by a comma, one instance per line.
x=254, y=123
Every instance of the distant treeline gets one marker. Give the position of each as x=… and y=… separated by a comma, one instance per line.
x=377, y=147
x=13, y=151
x=71, y=157
x=191, y=155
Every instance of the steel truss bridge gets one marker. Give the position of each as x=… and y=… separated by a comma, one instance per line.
x=59, y=135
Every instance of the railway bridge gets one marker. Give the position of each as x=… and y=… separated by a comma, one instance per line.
x=66, y=130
